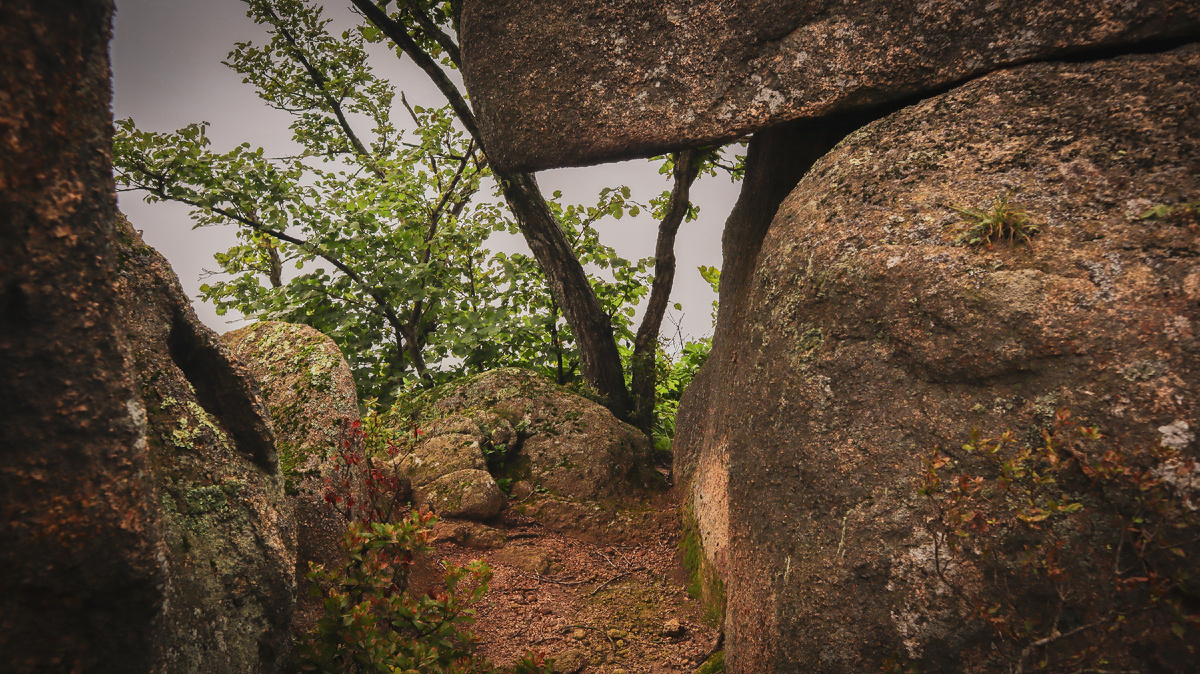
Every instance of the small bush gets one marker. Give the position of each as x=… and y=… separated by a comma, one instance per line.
x=1077, y=555
x=372, y=623
x=1004, y=221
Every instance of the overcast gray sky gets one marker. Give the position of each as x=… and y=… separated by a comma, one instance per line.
x=167, y=73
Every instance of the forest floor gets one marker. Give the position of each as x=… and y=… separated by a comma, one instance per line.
x=595, y=606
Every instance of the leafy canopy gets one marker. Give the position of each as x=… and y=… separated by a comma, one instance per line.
x=375, y=232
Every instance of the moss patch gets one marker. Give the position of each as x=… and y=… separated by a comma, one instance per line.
x=713, y=665
x=703, y=583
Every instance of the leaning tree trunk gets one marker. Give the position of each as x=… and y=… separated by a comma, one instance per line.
x=591, y=324
x=601, y=362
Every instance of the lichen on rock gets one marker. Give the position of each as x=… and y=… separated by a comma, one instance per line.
x=308, y=387
x=227, y=530
x=925, y=338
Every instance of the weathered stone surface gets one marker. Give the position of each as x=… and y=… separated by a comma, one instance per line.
x=468, y=534
x=307, y=386
x=867, y=337
x=558, y=440
x=80, y=572
x=441, y=455
x=556, y=83
x=226, y=525
x=466, y=494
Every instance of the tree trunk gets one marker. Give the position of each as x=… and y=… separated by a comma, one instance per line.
x=645, y=345
x=592, y=326
x=601, y=361
x=81, y=570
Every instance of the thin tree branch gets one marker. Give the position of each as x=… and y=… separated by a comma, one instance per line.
x=444, y=40
x=687, y=168
x=410, y=341
x=322, y=84
x=400, y=36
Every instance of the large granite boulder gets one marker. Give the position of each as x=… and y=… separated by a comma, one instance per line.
x=556, y=83
x=140, y=503
x=307, y=386
x=464, y=494
x=226, y=527
x=535, y=430
x=81, y=572
x=310, y=393
x=869, y=332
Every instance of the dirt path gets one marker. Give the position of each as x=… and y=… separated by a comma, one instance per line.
x=595, y=607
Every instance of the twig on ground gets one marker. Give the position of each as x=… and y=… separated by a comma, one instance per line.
x=547, y=579
x=1048, y=640
x=601, y=586
x=607, y=559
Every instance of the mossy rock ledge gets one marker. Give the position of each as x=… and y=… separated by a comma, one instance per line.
x=588, y=469
x=310, y=392
x=227, y=535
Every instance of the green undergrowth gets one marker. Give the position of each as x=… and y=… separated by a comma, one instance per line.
x=713, y=665
x=372, y=621
x=1002, y=221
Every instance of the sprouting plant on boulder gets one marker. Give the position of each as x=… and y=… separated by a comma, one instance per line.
x=372, y=622
x=1074, y=553
x=1003, y=221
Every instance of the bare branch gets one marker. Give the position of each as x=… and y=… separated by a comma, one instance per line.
x=444, y=40
x=322, y=85
x=400, y=36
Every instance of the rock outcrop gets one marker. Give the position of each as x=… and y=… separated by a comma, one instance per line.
x=869, y=334
x=858, y=329
x=565, y=460
x=80, y=567
x=308, y=389
x=465, y=494
x=557, y=83
x=226, y=527
x=142, y=516
x=306, y=384
x=560, y=441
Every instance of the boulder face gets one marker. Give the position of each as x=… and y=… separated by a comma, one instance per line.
x=560, y=83
x=226, y=527
x=80, y=563
x=308, y=389
x=307, y=386
x=871, y=333
x=560, y=441
x=464, y=494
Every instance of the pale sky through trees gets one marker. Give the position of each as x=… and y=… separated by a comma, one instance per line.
x=167, y=73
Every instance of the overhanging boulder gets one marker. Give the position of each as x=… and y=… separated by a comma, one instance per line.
x=573, y=82
x=871, y=332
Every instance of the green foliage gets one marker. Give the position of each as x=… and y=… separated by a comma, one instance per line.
x=713, y=665
x=375, y=238
x=371, y=622
x=1004, y=221
x=1075, y=553
x=675, y=373
x=1164, y=211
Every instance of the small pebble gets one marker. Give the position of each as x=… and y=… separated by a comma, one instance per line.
x=672, y=628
